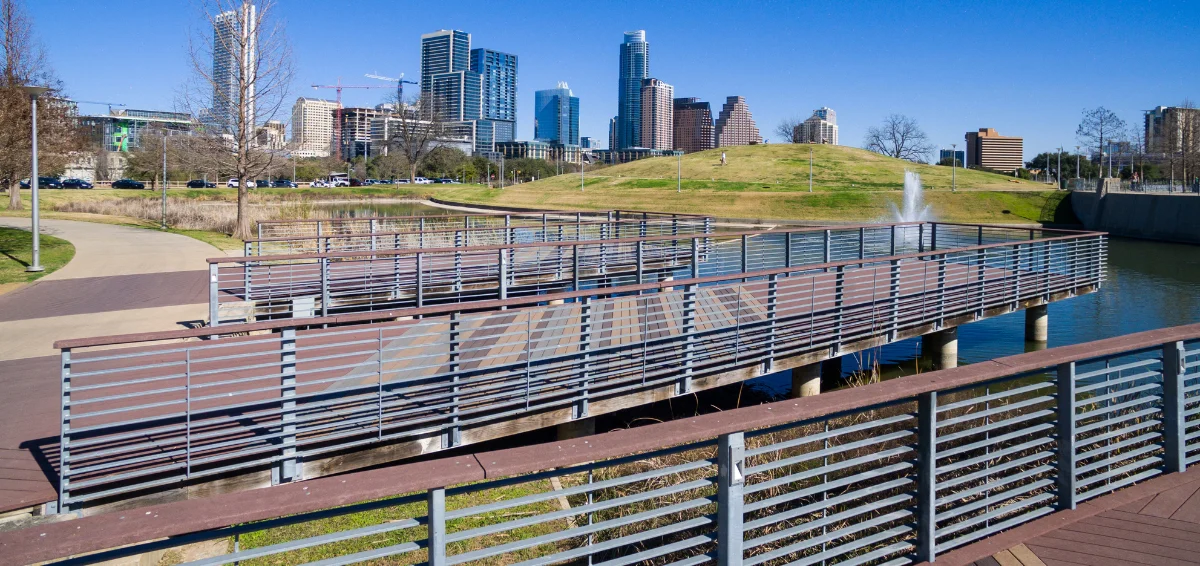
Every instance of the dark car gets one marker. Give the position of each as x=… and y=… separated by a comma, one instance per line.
x=356, y=183
x=76, y=184
x=44, y=183
x=262, y=184
x=128, y=184
x=283, y=184
x=201, y=184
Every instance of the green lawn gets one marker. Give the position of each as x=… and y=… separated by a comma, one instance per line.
x=16, y=252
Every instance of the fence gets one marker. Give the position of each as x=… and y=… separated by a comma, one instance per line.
x=327, y=284
x=889, y=473
x=157, y=412
x=373, y=238
x=1170, y=187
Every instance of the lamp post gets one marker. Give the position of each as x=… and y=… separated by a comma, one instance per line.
x=36, y=265
x=581, y=164
x=953, y=162
x=1058, y=170
x=163, y=222
x=679, y=172
x=810, y=160
x=1076, y=162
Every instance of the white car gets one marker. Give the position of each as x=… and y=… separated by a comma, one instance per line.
x=318, y=184
x=341, y=183
x=421, y=181
x=232, y=184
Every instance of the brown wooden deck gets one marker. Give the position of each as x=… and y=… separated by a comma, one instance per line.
x=1154, y=523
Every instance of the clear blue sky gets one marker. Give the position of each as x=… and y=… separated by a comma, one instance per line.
x=1024, y=68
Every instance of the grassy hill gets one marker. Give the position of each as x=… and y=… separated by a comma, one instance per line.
x=771, y=181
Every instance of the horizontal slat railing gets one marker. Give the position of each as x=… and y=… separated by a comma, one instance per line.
x=326, y=284
x=889, y=473
x=154, y=414
x=554, y=230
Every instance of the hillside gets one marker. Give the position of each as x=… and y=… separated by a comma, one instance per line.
x=771, y=181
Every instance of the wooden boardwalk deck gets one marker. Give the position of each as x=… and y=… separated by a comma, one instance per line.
x=1154, y=523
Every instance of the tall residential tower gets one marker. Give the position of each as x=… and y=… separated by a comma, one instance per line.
x=693, y=125
x=234, y=51
x=658, y=123
x=556, y=115
x=735, y=125
x=635, y=67
x=498, y=88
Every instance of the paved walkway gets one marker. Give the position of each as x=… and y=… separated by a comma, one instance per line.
x=121, y=280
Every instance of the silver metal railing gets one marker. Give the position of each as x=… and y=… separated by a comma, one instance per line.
x=157, y=412
x=297, y=286
x=551, y=231
x=891, y=473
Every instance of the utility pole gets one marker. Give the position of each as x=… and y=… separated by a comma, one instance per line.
x=1076, y=162
x=502, y=172
x=679, y=172
x=163, y=226
x=953, y=162
x=1058, y=171
x=581, y=173
x=810, y=160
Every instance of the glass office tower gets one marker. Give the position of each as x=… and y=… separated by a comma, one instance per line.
x=635, y=67
x=556, y=115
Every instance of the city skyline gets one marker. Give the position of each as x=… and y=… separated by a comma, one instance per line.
x=860, y=77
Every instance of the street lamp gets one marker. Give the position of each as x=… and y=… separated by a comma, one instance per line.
x=810, y=160
x=1076, y=162
x=953, y=161
x=679, y=172
x=36, y=265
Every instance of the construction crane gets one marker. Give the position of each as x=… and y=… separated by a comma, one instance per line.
x=399, y=84
x=109, y=104
x=337, y=130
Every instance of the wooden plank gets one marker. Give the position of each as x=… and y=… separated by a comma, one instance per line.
x=1168, y=502
x=1087, y=527
x=1137, y=506
x=1072, y=555
x=1190, y=511
x=1026, y=556
x=1156, y=521
x=1139, y=527
x=989, y=561
x=1117, y=548
x=1006, y=558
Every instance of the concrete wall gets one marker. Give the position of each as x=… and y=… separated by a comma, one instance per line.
x=1173, y=218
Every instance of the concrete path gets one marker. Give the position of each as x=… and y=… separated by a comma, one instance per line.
x=121, y=280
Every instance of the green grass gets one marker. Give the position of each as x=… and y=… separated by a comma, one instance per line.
x=16, y=252
x=771, y=181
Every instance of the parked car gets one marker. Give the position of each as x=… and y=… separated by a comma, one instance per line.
x=261, y=184
x=447, y=181
x=340, y=182
x=232, y=184
x=400, y=182
x=44, y=183
x=356, y=183
x=318, y=184
x=128, y=184
x=283, y=184
x=200, y=184
x=76, y=184
x=421, y=181
x=372, y=182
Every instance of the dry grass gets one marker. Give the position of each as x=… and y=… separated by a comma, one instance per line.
x=183, y=214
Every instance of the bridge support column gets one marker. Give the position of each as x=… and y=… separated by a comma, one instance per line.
x=941, y=347
x=806, y=381
x=831, y=370
x=1037, y=324
x=577, y=428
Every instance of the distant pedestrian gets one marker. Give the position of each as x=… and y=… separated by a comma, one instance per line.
x=722, y=158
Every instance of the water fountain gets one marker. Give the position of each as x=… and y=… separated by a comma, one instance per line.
x=913, y=209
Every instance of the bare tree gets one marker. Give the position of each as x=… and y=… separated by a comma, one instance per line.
x=24, y=64
x=1188, y=127
x=415, y=131
x=786, y=130
x=242, y=66
x=1100, y=124
x=899, y=136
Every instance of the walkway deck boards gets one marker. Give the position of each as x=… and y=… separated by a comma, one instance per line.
x=1161, y=528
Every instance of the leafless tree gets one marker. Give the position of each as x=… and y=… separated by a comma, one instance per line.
x=25, y=64
x=1100, y=124
x=415, y=131
x=786, y=130
x=1188, y=134
x=243, y=69
x=899, y=136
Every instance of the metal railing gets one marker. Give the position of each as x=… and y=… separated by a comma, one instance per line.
x=297, y=286
x=158, y=412
x=1168, y=187
x=553, y=230
x=891, y=473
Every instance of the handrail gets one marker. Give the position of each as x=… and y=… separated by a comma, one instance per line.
x=214, y=517
x=482, y=214
x=205, y=332
x=453, y=230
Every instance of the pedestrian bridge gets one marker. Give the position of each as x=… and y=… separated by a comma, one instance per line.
x=190, y=413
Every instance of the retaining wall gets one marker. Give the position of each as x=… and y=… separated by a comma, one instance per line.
x=1168, y=217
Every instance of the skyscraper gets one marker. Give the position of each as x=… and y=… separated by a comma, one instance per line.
x=612, y=133
x=556, y=115
x=735, y=125
x=635, y=67
x=312, y=126
x=456, y=95
x=658, y=121
x=821, y=127
x=693, y=125
x=230, y=45
x=498, y=87
x=443, y=51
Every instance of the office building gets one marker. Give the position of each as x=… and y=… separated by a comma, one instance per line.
x=122, y=130
x=693, y=125
x=456, y=95
x=271, y=135
x=735, y=125
x=356, y=130
x=498, y=89
x=556, y=115
x=959, y=155
x=228, y=67
x=387, y=129
x=658, y=115
x=821, y=127
x=1171, y=129
x=612, y=133
x=585, y=142
x=524, y=149
x=990, y=150
x=634, y=68
x=312, y=126
x=443, y=51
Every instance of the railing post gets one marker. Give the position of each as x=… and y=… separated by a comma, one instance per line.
x=320, y=231
x=639, y=252
x=894, y=293
x=1175, y=425
x=453, y=437
x=862, y=242
x=941, y=290
x=458, y=243
x=64, y=438
x=927, y=477
x=420, y=279
x=979, y=240
x=892, y=241
x=933, y=236
x=1016, y=275
x=921, y=238
x=981, y=261
x=1065, y=421
x=839, y=290
x=745, y=254
x=502, y=274
x=684, y=384
x=787, y=250
x=575, y=267
x=436, y=501
x=287, y=365
x=374, y=242
x=213, y=293
x=421, y=233
x=324, y=286
x=826, y=253
x=731, y=479
x=772, y=311
x=585, y=346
